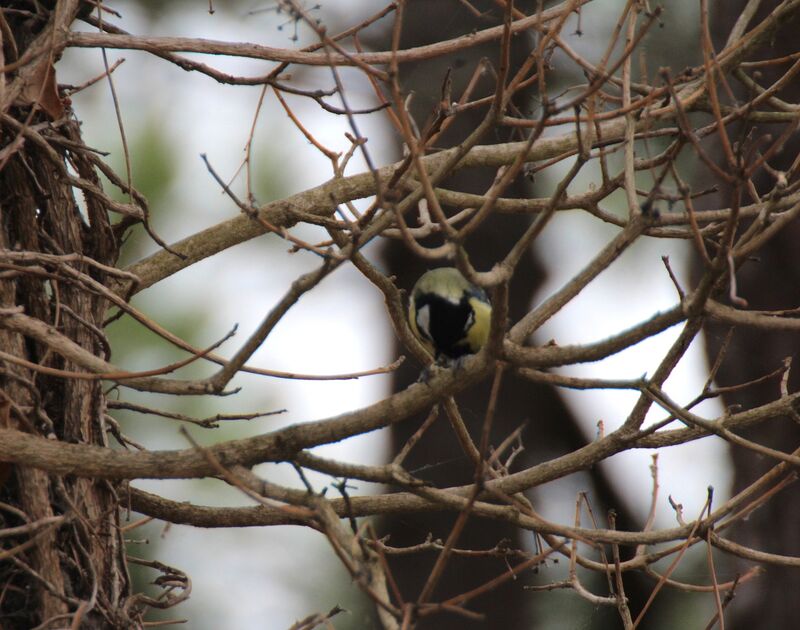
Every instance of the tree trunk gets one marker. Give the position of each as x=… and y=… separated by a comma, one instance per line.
x=551, y=428
x=74, y=568
x=769, y=280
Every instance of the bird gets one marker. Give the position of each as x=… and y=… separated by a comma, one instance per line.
x=449, y=315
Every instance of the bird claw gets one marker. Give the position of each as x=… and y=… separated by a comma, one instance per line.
x=430, y=371
x=441, y=364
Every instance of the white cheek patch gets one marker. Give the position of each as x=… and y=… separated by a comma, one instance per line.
x=424, y=321
x=470, y=321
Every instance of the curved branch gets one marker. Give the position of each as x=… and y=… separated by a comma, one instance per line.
x=162, y=45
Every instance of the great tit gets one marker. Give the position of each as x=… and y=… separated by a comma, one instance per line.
x=449, y=314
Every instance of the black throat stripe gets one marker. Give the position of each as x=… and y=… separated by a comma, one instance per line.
x=448, y=322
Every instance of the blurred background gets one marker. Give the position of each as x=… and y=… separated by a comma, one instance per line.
x=270, y=577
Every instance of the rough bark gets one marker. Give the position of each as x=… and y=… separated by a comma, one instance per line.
x=75, y=569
